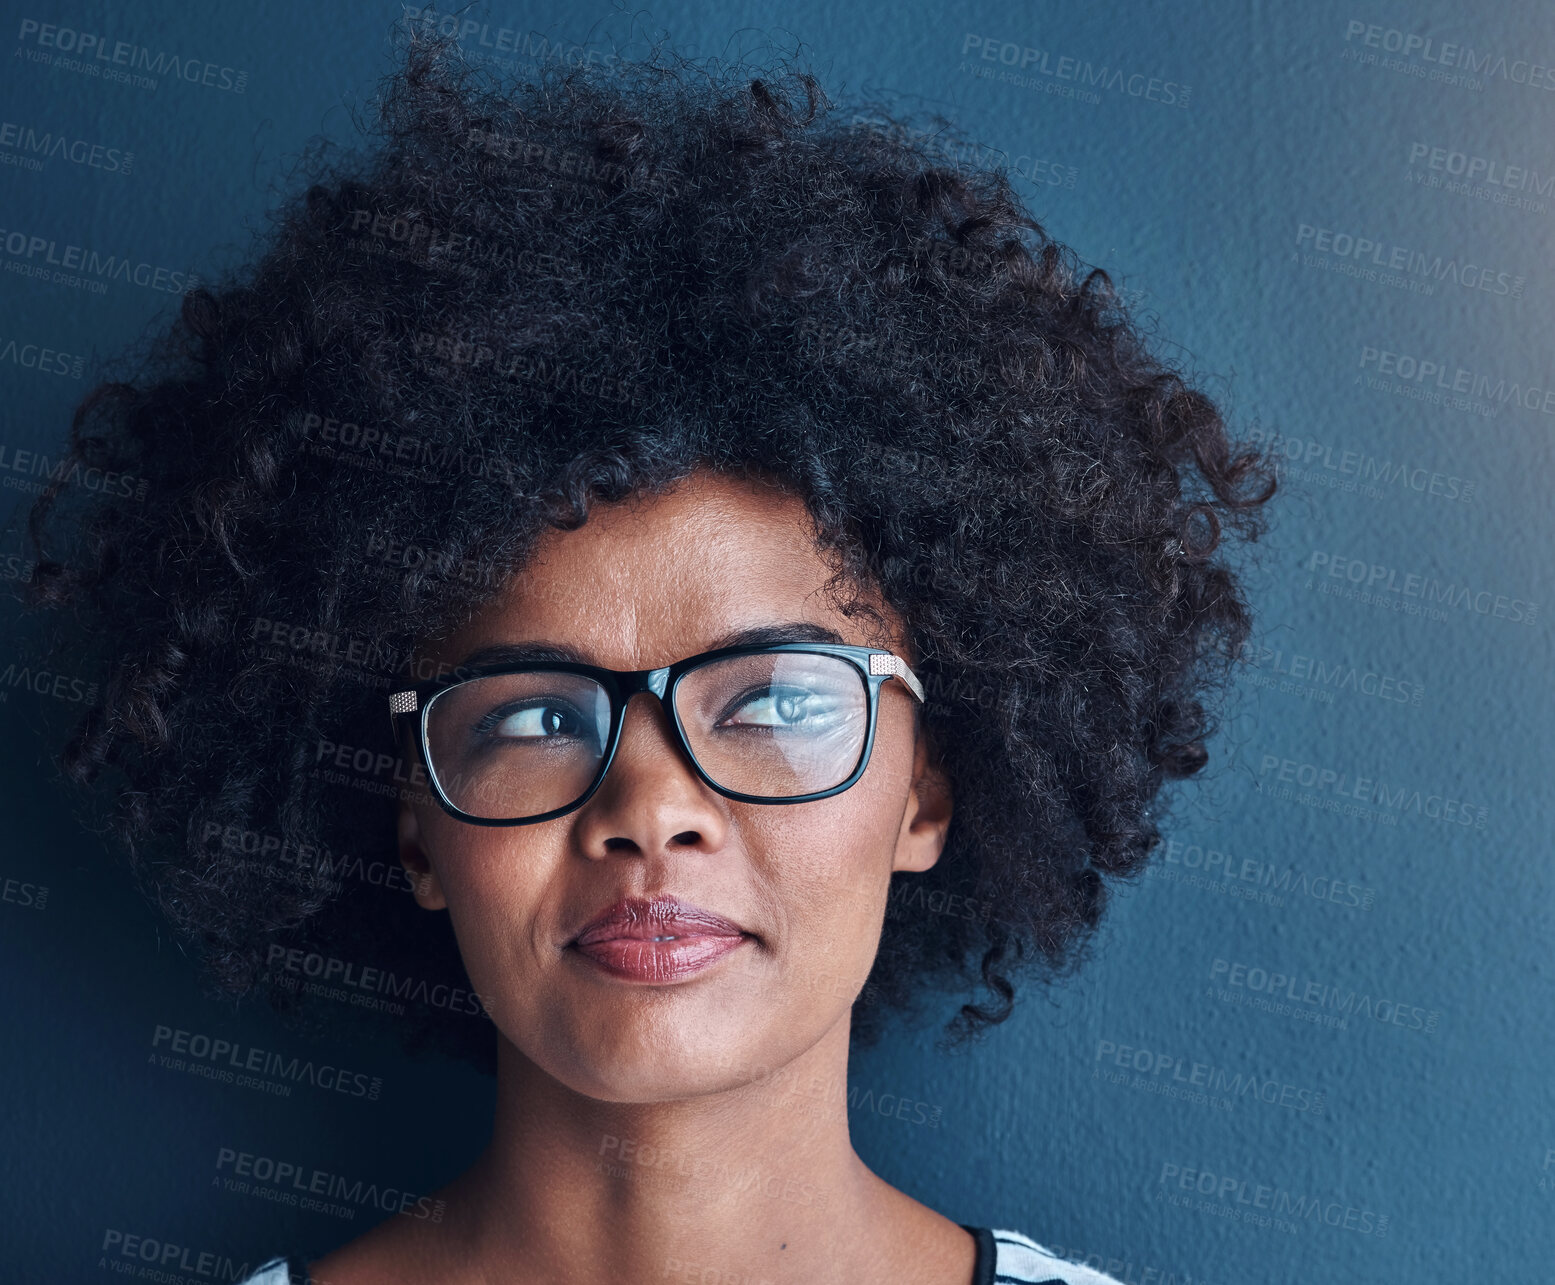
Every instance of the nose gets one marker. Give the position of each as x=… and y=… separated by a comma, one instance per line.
x=651, y=800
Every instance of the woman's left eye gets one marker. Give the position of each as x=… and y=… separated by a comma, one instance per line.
x=777, y=707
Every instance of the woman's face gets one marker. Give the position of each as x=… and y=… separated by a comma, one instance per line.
x=639, y=585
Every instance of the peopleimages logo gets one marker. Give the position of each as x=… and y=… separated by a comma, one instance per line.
x=44, y=360
x=1336, y=675
x=100, y=55
x=163, y=1257
x=1379, y=581
x=1354, y=470
x=1450, y=377
x=24, y=144
x=1366, y=789
x=628, y=1158
x=1367, y=256
x=1023, y=61
x=1481, y=169
x=239, y=1170
x=1279, y=987
x=1534, y=73
x=1216, y=863
x=1164, y=1068
x=224, y=1057
x=476, y=37
x=327, y=970
x=41, y=253
x=1237, y=1196
x=35, y=472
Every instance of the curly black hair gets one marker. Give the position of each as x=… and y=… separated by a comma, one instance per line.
x=524, y=298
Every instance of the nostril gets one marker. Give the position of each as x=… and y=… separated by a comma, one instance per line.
x=688, y=837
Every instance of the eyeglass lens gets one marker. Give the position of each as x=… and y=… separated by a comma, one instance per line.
x=775, y=725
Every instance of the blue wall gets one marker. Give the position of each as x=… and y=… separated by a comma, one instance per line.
x=1335, y=984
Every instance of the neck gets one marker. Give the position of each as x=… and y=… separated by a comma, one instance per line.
x=758, y=1181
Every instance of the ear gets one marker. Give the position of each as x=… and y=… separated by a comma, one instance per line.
x=926, y=819
x=423, y=878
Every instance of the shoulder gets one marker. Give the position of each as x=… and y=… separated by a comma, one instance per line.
x=1018, y=1258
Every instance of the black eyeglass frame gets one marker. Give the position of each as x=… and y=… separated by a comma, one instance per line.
x=874, y=664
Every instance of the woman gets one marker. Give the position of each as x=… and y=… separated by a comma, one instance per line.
x=717, y=525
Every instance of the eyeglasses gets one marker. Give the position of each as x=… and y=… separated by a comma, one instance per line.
x=514, y=744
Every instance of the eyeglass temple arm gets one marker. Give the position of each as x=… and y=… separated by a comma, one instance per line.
x=889, y=664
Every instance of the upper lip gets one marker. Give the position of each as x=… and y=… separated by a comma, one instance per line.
x=648, y=917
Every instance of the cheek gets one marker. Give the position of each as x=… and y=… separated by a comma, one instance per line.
x=494, y=880
x=887, y=782
x=832, y=858
x=826, y=867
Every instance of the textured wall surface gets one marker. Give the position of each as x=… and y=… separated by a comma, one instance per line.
x=1314, y=1040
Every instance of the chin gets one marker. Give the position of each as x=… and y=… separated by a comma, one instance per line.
x=644, y=1056
x=649, y=1080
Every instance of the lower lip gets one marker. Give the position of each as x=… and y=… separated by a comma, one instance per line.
x=640, y=960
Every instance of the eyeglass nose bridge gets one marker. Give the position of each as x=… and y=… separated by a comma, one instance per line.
x=655, y=681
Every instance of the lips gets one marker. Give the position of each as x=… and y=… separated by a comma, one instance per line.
x=656, y=939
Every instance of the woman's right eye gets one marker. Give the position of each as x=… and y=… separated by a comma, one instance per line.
x=529, y=722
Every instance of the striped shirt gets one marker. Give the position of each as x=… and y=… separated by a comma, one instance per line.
x=1003, y=1258
x=1006, y=1257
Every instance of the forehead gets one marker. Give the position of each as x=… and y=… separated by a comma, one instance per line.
x=658, y=577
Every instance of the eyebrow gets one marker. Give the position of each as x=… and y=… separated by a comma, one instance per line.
x=524, y=653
